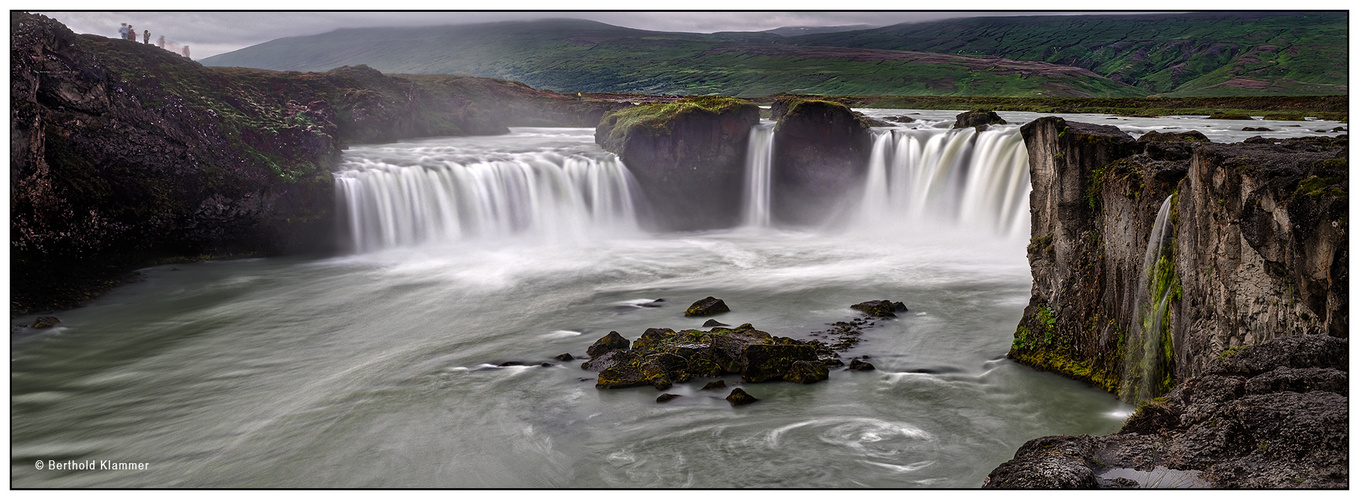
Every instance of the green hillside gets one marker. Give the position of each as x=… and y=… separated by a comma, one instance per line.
x=585, y=56
x=1201, y=54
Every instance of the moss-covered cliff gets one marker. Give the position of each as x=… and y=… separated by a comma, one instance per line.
x=1255, y=249
x=123, y=153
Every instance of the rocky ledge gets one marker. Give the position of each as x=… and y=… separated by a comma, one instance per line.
x=1273, y=415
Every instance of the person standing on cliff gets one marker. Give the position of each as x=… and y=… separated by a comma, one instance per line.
x=146, y=37
x=122, y=31
x=160, y=42
x=186, y=51
x=131, y=33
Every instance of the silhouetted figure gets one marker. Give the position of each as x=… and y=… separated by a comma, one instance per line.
x=186, y=51
x=160, y=42
x=146, y=36
x=131, y=33
x=122, y=31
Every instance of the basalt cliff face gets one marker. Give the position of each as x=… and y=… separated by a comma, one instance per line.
x=821, y=151
x=1255, y=248
x=123, y=153
x=1153, y=261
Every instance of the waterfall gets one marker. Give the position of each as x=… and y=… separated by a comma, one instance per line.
x=546, y=195
x=1146, y=360
x=949, y=177
x=759, y=164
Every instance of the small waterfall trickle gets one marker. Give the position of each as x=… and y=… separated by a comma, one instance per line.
x=1146, y=361
x=546, y=195
x=759, y=166
x=949, y=177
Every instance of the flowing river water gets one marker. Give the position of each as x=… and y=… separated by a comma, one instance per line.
x=380, y=368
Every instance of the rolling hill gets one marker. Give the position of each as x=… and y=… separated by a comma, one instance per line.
x=1205, y=54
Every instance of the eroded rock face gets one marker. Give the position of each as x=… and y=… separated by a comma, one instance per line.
x=1258, y=239
x=707, y=307
x=1273, y=415
x=821, y=151
x=978, y=119
x=688, y=158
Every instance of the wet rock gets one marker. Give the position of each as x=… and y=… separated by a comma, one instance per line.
x=820, y=152
x=1256, y=129
x=511, y=363
x=707, y=307
x=45, y=322
x=666, y=398
x=1339, y=129
x=807, y=372
x=1285, y=379
x=563, y=357
x=712, y=323
x=1301, y=351
x=859, y=365
x=604, y=362
x=978, y=119
x=1053, y=462
x=1187, y=136
x=765, y=362
x=739, y=397
x=610, y=342
x=880, y=308
x=899, y=119
x=545, y=365
x=716, y=384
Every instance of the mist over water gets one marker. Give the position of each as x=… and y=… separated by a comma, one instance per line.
x=380, y=368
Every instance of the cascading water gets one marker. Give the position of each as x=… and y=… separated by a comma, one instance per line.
x=1146, y=360
x=418, y=196
x=953, y=177
x=759, y=167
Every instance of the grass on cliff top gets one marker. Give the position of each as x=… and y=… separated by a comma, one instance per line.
x=658, y=116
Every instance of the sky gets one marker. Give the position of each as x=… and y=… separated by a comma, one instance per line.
x=209, y=33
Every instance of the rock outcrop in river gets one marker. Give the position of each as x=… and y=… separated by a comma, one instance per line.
x=124, y=153
x=687, y=156
x=662, y=357
x=821, y=151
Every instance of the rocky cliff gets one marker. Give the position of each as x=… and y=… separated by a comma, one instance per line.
x=688, y=157
x=1255, y=248
x=1153, y=260
x=123, y=153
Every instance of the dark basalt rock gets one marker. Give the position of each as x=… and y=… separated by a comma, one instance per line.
x=880, y=308
x=860, y=365
x=716, y=384
x=663, y=357
x=899, y=119
x=45, y=322
x=564, y=357
x=1256, y=129
x=610, y=342
x=712, y=323
x=1188, y=136
x=821, y=151
x=707, y=307
x=978, y=119
x=1277, y=418
x=666, y=398
x=739, y=397
x=807, y=372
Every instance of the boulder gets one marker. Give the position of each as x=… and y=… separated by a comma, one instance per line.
x=666, y=398
x=978, y=119
x=707, y=307
x=1188, y=136
x=45, y=322
x=663, y=357
x=739, y=397
x=610, y=342
x=765, y=362
x=860, y=365
x=716, y=384
x=563, y=357
x=820, y=156
x=687, y=156
x=807, y=372
x=880, y=308
x=712, y=323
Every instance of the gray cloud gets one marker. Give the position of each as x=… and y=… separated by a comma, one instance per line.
x=211, y=33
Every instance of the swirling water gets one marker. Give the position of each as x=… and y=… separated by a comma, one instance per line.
x=380, y=369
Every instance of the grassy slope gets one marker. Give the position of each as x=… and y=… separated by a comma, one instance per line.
x=582, y=56
x=1173, y=55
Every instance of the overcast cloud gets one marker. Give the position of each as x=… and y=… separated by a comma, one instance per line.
x=211, y=33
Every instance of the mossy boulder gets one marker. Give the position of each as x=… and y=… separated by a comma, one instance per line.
x=707, y=306
x=880, y=308
x=687, y=156
x=821, y=151
x=739, y=397
x=978, y=119
x=1187, y=136
x=663, y=357
x=610, y=342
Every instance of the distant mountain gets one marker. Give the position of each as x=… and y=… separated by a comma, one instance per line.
x=1202, y=54
x=569, y=55
x=812, y=30
x=1198, y=54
